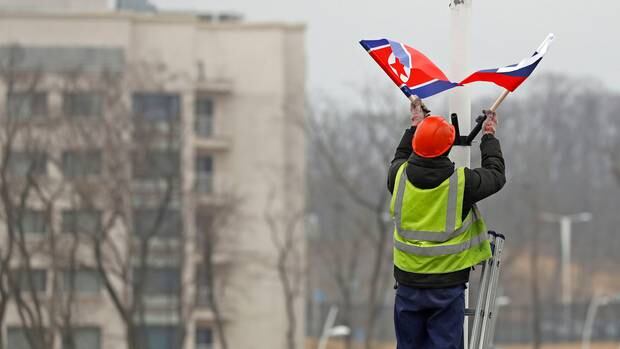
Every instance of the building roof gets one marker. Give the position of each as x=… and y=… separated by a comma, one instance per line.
x=198, y=19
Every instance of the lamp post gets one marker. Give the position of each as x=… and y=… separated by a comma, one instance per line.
x=460, y=103
x=329, y=330
x=597, y=301
x=566, y=222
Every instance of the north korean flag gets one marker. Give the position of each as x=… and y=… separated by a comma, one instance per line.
x=410, y=70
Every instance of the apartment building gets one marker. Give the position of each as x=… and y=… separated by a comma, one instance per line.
x=234, y=92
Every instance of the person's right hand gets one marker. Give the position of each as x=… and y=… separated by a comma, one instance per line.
x=418, y=112
x=490, y=124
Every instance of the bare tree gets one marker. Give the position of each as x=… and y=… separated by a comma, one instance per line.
x=23, y=187
x=141, y=194
x=355, y=147
x=212, y=222
x=31, y=146
x=137, y=183
x=559, y=138
x=556, y=142
x=341, y=253
x=284, y=221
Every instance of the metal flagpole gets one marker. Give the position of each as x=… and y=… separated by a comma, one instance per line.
x=460, y=103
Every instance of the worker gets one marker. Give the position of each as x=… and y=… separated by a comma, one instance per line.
x=439, y=233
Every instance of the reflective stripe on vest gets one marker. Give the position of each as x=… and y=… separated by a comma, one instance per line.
x=442, y=249
x=449, y=229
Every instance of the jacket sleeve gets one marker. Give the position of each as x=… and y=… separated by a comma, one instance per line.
x=403, y=151
x=491, y=177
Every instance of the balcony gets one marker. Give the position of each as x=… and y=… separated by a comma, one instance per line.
x=213, y=143
x=204, y=313
x=215, y=85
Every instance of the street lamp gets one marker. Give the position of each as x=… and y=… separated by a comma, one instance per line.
x=596, y=302
x=329, y=330
x=459, y=100
x=565, y=240
x=339, y=331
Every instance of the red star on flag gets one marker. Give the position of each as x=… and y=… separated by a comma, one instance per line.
x=399, y=67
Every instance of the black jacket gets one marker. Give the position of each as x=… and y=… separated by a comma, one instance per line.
x=429, y=173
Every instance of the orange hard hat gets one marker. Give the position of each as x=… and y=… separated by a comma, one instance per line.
x=433, y=137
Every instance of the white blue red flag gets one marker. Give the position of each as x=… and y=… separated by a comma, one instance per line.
x=410, y=70
x=510, y=77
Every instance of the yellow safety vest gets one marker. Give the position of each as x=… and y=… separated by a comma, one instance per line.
x=430, y=236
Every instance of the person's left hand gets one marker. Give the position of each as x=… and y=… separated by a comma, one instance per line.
x=418, y=112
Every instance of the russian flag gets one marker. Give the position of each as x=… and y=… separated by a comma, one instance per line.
x=408, y=68
x=510, y=77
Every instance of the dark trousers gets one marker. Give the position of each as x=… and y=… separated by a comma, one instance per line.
x=427, y=318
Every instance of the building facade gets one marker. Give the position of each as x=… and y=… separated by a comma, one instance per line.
x=235, y=93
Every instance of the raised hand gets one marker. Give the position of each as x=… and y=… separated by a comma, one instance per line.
x=490, y=124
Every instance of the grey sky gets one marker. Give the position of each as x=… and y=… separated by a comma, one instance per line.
x=503, y=32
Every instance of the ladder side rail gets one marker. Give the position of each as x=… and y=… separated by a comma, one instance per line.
x=479, y=312
x=487, y=301
x=488, y=335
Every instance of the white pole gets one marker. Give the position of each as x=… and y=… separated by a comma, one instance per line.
x=597, y=301
x=329, y=323
x=460, y=103
x=589, y=323
x=565, y=236
x=566, y=222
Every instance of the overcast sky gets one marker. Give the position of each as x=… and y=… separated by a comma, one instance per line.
x=503, y=32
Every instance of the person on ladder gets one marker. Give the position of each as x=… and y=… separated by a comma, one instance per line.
x=439, y=234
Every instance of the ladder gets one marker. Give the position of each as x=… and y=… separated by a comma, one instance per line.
x=485, y=312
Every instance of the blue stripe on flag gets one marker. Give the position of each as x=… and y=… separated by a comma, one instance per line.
x=399, y=52
x=525, y=71
x=433, y=88
x=370, y=44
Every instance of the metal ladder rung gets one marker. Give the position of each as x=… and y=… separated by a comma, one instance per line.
x=470, y=311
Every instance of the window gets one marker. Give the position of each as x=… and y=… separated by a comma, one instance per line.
x=26, y=105
x=164, y=281
x=147, y=222
x=156, y=106
x=31, y=221
x=203, y=122
x=82, y=104
x=17, y=337
x=79, y=163
x=204, y=173
x=81, y=221
x=86, y=281
x=31, y=280
x=204, y=337
x=161, y=337
x=25, y=163
x=83, y=338
x=156, y=164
